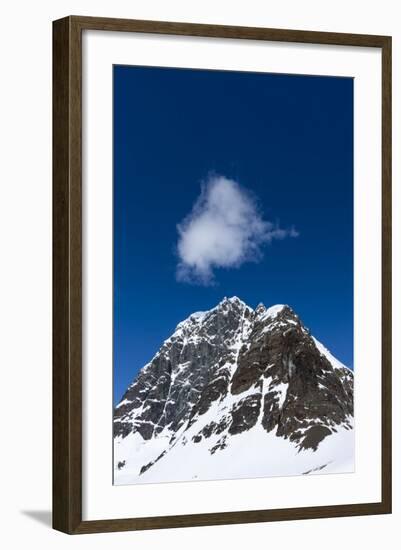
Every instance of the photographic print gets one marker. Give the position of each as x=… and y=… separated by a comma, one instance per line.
x=232, y=275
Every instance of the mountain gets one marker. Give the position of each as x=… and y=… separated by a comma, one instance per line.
x=236, y=392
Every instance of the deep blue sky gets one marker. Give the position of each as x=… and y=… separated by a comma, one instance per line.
x=288, y=139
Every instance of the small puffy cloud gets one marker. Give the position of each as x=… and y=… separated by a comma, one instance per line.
x=224, y=230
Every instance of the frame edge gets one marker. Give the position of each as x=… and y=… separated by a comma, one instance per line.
x=228, y=31
x=66, y=492
x=67, y=275
x=386, y=274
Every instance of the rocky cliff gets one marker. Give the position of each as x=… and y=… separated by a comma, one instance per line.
x=235, y=374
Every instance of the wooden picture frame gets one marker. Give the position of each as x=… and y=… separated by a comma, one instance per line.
x=67, y=274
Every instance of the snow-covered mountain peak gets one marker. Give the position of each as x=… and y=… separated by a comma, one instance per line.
x=225, y=373
x=273, y=311
x=193, y=319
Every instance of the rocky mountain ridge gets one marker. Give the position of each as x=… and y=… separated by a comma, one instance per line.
x=228, y=373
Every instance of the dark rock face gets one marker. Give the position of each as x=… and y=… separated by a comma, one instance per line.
x=263, y=363
x=191, y=370
x=317, y=395
x=245, y=414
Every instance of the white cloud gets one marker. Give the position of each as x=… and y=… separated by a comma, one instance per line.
x=224, y=229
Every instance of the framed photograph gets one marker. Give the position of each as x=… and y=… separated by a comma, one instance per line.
x=222, y=275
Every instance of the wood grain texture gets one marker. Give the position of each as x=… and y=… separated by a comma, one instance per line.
x=386, y=276
x=225, y=31
x=67, y=277
x=67, y=274
x=229, y=518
